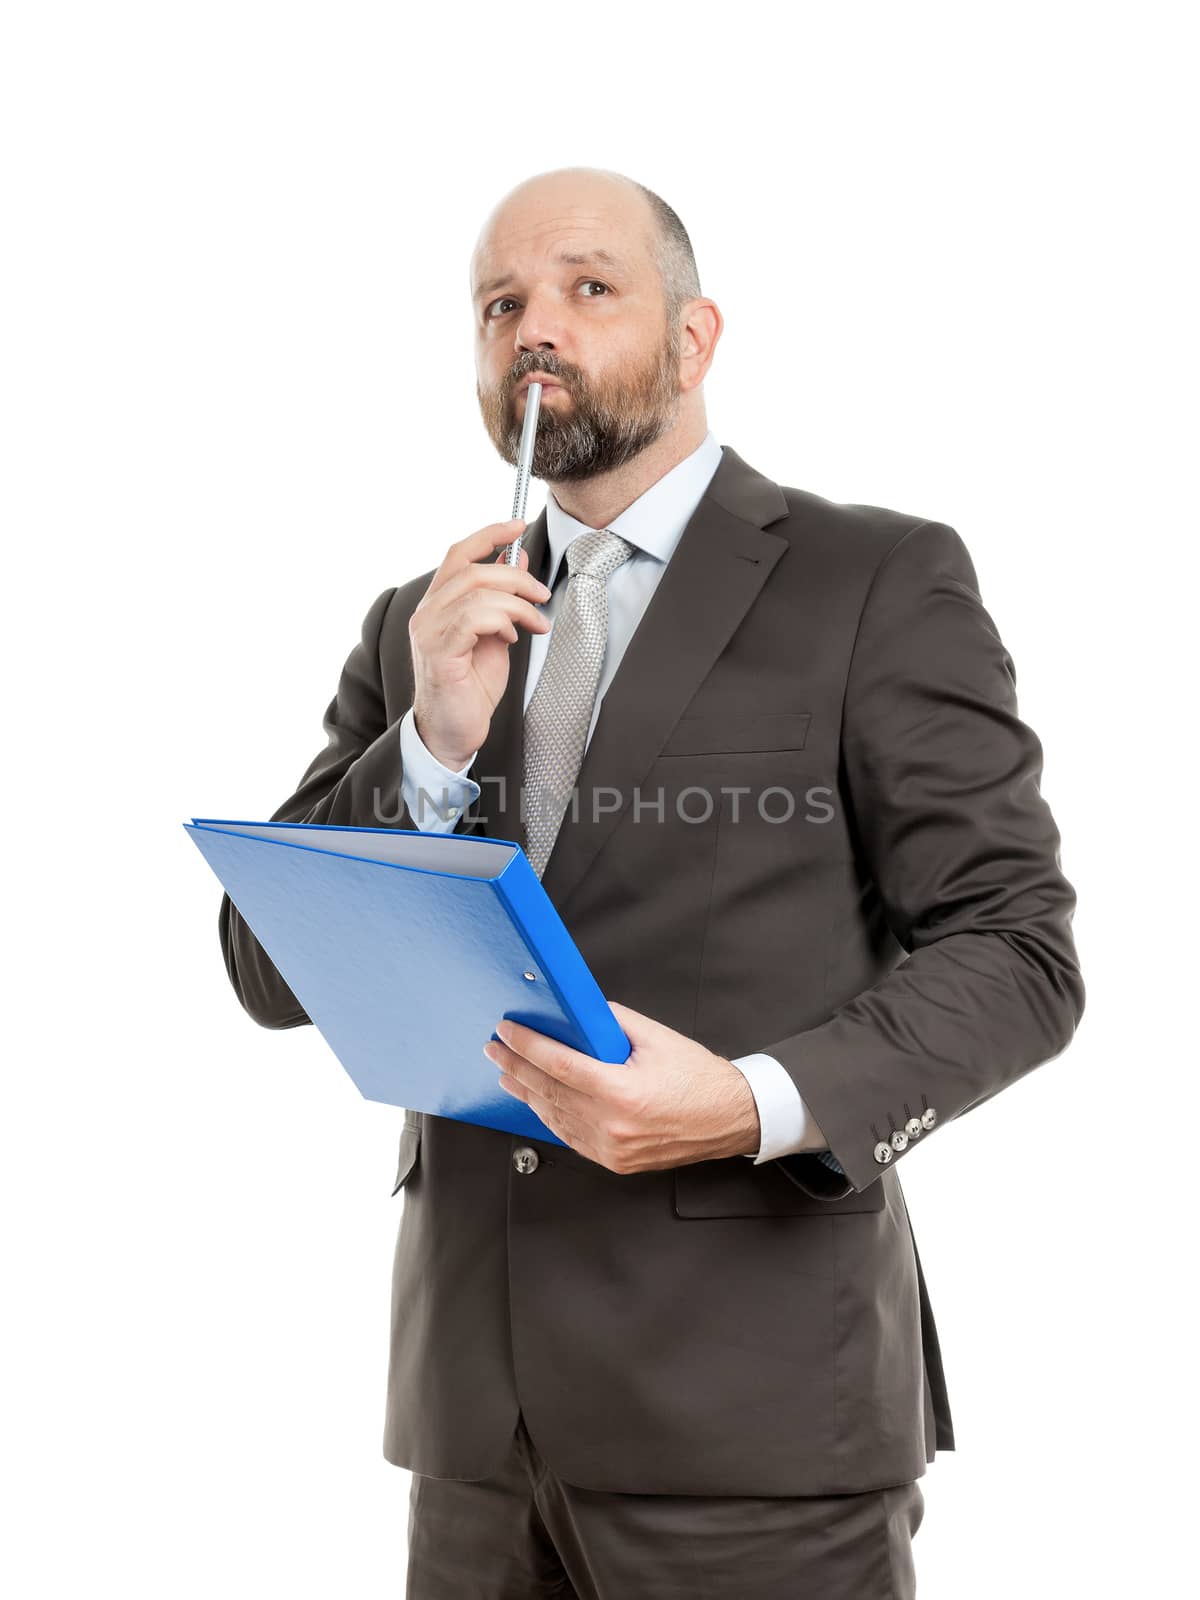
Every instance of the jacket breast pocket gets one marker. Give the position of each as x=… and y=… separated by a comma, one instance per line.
x=728, y=735
x=410, y=1148
x=736, y=1187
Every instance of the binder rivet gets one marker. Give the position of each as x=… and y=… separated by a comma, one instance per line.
x=530, y=976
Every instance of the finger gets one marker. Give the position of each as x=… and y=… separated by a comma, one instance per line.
x=560, y=1061
x=476, y=546
x=475, y=621
x=531, y=1079
x=570, y=1129
x=479, y=577
x=522, y=556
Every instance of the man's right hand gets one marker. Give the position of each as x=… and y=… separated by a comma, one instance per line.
x=460, y=633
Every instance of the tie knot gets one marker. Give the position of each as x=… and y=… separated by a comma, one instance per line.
x=597, y=554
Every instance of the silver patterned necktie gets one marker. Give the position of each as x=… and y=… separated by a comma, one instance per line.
x=560, y=709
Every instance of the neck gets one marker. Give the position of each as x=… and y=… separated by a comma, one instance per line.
x=599, y=500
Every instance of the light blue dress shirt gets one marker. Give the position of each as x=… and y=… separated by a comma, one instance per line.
x=653, y=524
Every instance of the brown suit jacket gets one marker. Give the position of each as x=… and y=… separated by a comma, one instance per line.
x=901, y=943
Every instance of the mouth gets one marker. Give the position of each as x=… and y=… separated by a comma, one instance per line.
x=548, y=384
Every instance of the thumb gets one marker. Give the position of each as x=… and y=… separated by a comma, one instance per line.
x=635, y=1024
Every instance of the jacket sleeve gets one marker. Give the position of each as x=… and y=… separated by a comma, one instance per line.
x=356, y=781
x=942, y=778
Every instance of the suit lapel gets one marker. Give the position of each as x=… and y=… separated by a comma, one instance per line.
x=720, y=564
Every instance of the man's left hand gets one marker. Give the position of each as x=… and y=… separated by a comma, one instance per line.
x=671, y=1103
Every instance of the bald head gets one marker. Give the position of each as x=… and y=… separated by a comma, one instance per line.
x=600, y=198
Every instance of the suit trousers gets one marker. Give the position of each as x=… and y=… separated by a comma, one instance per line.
x=526, y=1534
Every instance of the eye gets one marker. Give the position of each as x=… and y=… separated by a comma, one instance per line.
x=508, y=300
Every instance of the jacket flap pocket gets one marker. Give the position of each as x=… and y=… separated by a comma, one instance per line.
x=410, y=1145
x=764, y=730
x=736, y=1187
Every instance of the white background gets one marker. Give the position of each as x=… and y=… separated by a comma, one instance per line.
x=239, y=403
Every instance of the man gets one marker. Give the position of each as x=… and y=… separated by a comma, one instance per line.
x=764, y=750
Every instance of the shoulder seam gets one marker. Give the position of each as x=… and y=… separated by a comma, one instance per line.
x=926, y=522
x=395, y=590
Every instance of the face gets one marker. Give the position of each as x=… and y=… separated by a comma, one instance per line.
x=568, y=289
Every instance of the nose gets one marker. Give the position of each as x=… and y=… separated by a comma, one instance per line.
x=540, y=324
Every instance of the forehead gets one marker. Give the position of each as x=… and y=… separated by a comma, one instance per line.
x=532, y=235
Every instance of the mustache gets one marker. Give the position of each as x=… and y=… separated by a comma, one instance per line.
x=551, y=368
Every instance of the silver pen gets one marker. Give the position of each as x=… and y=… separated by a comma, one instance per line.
x=533, y=404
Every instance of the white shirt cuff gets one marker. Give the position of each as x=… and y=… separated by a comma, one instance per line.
x=447, y=793
x=783, y=1117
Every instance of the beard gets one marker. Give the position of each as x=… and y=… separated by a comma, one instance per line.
x=607, y=423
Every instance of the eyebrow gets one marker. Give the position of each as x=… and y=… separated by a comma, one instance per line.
x=597, y=257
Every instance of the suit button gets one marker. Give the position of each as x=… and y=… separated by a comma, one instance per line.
x=899, y=1140
x=913, y=1127
x=525, y=1159
x=883, y=1152
x=928, y=1118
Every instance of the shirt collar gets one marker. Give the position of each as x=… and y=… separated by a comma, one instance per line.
x=654, y=523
